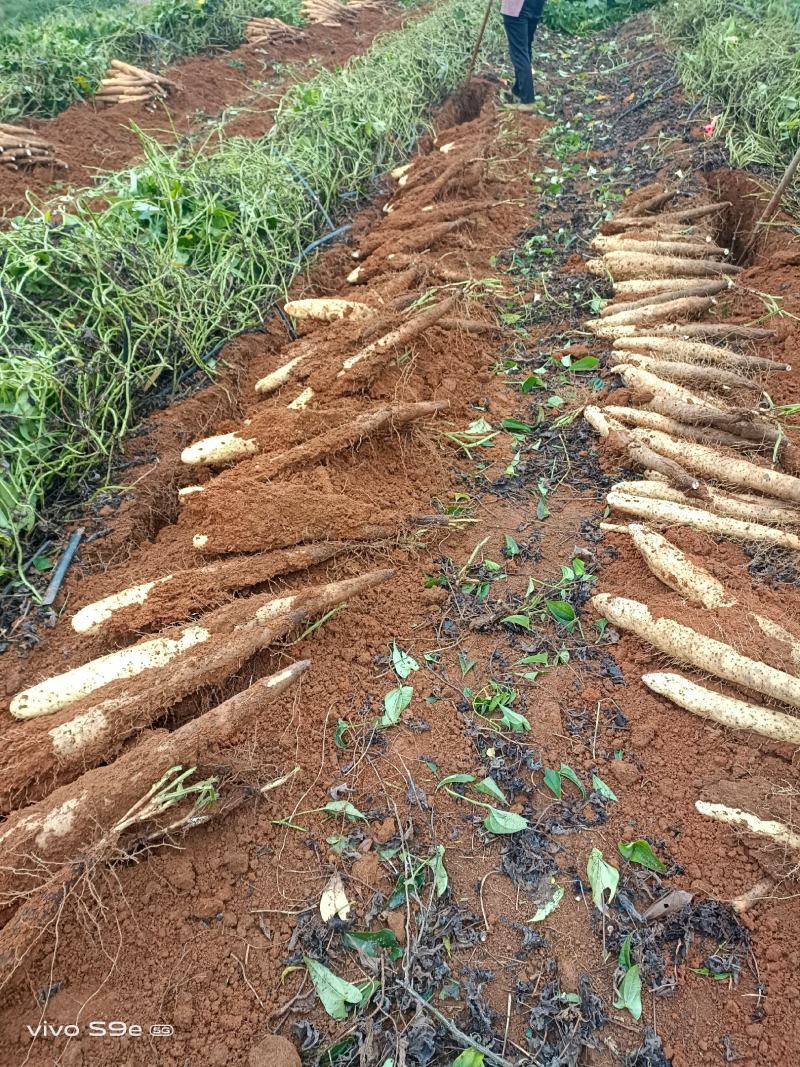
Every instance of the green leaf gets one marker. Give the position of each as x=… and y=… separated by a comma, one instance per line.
x=562, y=612
x=456, y=779
x=640, y=852
x=513, y=721
x=549, y=905
x=567, y=772
x=395, y=703
x=406, y=886
x=370, y=942
x=604, y=790
x=552, y=779
x=602, y=878
x=344, y=807
x=334, y=992
x=470, y=1057
x=42, y=563
x=518, y=620
x=537, y=657
x=630, y=992
x=341, y=729
x=465, y=663
x=403, y=662
x=440, y=877
x=512, y=548
x=515, y=426
x=533, y=381
x=504, y=822
x=625, y=952
x=492, y=789
x=542, y=510
x=585, y=363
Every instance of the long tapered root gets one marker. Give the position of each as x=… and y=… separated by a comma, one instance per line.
x=666, y=513
x=777, y=832
x=705, y=653
x=725, y=710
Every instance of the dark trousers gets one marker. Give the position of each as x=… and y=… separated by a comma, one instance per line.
x=520, y=31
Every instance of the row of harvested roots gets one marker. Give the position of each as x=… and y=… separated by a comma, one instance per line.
x=67, y=800
x=710, y=460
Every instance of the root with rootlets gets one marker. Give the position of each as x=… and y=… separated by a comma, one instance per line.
x=56, y=748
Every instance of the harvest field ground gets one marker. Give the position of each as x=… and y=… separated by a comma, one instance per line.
x=396, y=773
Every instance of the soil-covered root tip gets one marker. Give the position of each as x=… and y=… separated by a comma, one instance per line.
x=781, y=835
x=272, y=516
x=69, y=822
x=686, y=645
x=176, y=596
x=725, y=710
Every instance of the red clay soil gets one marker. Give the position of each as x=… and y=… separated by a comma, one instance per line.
x=209, y=936
x=92, y=138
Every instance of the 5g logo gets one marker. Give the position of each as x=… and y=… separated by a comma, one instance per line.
x=161, y=1030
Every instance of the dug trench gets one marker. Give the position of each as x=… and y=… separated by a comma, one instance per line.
x=465, y=646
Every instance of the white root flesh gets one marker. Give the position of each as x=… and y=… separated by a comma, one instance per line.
x=705, y=653
x=219, y=450
x=652, y=314
x=639, y=378
x=689, y=249
x=278, y=377
x=666, y=513
x=677, y=571
x=652, y=420
x=777, y=832
x=626, y=266
x=302, y=400
x=673, y=370
x=766, y=511
x=91, y=618
x=713, y=464
x=696, y=352
x=725, y=710
x=654, y=286
x=328, y=309
x=55, y=693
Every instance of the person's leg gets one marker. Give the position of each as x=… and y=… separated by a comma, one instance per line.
x=517, y=34
x=532, y=24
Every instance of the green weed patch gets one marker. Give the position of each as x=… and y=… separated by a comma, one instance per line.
x=744, y=58
x=48, y=64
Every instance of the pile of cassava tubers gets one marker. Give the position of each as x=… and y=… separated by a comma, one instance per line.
x=77, y=791
x=126, y=84
x=20, y=147
x=709, y=460
x=263, y=31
